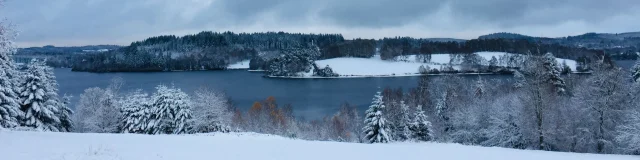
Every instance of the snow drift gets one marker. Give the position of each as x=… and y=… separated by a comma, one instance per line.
x=245, y=146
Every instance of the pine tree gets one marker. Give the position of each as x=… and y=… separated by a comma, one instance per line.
x=38, y=98
x=171, y=113
x=135, y=113
x=65, y=113
x=402, y=127
x=10, y=112
x=552, y=74
x=565, y=68
x=493, y=63
x=376, y=129
x=420, y=127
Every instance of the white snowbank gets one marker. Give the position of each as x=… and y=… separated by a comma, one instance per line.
x=240, y=65
x=349, y=67
x=17, y=145
x=371, y=67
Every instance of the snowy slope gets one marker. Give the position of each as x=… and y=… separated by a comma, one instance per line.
x=240, y=65
x=371, y=66
x=402, y=66
x=17, y=145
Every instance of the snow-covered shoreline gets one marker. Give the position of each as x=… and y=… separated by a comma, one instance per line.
x=26, y=145
x=403, y=66
x=382, y=76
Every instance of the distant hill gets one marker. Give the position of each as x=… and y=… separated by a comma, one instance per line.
x=445, y=39
x=617, y=45
x=504, y=35
x=49, y=49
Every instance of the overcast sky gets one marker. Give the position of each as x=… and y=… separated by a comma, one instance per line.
x=84, y=22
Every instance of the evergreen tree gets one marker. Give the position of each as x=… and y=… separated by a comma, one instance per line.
x=552, y=74
x=135, y=113
x=10, y=112
x=402, y=127
x=520, y=80
x=493, y=63
x=171, y=111
x=38, y=98
x=565, y=68
x=65, y=113
x=420, y=127
x=376, y=129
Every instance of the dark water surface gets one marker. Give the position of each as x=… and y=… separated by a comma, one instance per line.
x=311, y=98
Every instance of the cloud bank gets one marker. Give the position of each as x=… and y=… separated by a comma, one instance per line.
x=83, y=22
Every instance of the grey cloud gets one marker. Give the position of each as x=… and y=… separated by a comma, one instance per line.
x=72, y=22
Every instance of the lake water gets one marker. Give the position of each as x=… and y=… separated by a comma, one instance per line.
x=311, y=98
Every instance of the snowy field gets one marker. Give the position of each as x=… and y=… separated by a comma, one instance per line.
x=403, y=66
x=239, y=65
x=16, y=145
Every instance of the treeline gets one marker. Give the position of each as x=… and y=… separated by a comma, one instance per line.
x=393, y=47
x=202, y=51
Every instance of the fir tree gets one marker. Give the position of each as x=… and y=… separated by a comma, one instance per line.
x=402, y=127
x=493, y=63
x=171, y=113
x=38, y=98
x=376, y=129
x=552, y=74
x=135, y=113
x=10, y=112
x=420, y=127
x=65, y=113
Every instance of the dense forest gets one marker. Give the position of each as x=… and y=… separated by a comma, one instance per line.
x=272, y=51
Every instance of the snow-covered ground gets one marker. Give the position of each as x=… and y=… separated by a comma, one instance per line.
x=371, y=67
x=240, y=65
x=20, y=145
x=403, y=66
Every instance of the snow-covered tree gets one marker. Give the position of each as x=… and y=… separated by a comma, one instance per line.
x=601, y=98
x=480, y=87
x=635, y=71
x=376, y=129
x=423, y=69
x=552, y=73
x=420, y=127
x=505, y=125
x=627, y=135
x=171, y=111
x=565, y=68
x=520, y=80
x=404, y=120
x=39, y=98
x=493, y=63
x=135, y=112
x=210, y=111
x=10, y=112
x=97, y=111
x=65, y=114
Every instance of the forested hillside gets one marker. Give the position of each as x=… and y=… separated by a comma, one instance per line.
x=216, y=50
